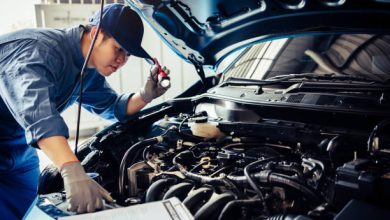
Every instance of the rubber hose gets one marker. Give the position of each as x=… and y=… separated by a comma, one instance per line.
x=123, y=164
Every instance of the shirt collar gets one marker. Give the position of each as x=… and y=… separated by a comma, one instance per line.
x=75, y=34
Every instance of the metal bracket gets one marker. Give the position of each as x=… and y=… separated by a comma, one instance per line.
x=198, y=68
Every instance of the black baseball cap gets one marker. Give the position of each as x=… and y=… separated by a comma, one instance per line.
x=124, y=25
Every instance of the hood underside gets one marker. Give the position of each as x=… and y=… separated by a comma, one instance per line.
x=205, y=31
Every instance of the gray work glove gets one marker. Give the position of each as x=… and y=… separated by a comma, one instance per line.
x=152, y=88
x=82, y=193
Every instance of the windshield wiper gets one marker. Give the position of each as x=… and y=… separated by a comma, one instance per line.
x=327, y=77
x=232, y=81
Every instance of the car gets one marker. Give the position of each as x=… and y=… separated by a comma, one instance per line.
x=294, y=124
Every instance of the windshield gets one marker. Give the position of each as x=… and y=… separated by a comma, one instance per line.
x=363, y=56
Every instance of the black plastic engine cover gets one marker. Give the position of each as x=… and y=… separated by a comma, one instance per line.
x=359, y=179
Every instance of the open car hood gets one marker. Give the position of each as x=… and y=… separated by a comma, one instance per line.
x=204, y=32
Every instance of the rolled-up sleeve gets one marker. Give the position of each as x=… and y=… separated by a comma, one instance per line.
x=101, y=99
x=27, y=87
x=121, y=106
x=39, y=129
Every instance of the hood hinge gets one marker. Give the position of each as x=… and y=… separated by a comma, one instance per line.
x=198, y=68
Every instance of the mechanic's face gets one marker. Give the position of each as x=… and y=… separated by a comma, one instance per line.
x=107, y=56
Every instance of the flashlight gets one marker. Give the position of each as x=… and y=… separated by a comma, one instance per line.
x=162, y=76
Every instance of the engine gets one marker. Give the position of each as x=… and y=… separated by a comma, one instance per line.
x=243, y=169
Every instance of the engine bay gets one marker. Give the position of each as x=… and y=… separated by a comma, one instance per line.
x=229, y=160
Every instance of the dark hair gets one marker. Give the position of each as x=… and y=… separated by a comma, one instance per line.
x=88, y=29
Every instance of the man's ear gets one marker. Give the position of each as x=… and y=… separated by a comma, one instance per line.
x=93, y=31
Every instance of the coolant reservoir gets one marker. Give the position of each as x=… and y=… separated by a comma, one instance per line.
x=202, y=127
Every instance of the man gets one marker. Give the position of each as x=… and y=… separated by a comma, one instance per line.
x=39, y=78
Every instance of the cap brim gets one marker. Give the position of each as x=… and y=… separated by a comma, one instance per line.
x=140, y=52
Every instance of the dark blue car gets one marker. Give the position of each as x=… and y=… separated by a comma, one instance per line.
x=294, y=124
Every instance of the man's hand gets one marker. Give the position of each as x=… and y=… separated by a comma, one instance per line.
x=152, y=88
x=82, y=193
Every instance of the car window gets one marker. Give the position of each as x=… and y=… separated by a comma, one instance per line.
x=358, y=55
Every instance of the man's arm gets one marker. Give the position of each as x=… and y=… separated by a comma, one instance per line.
x=57, y=149
x=135, y=104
